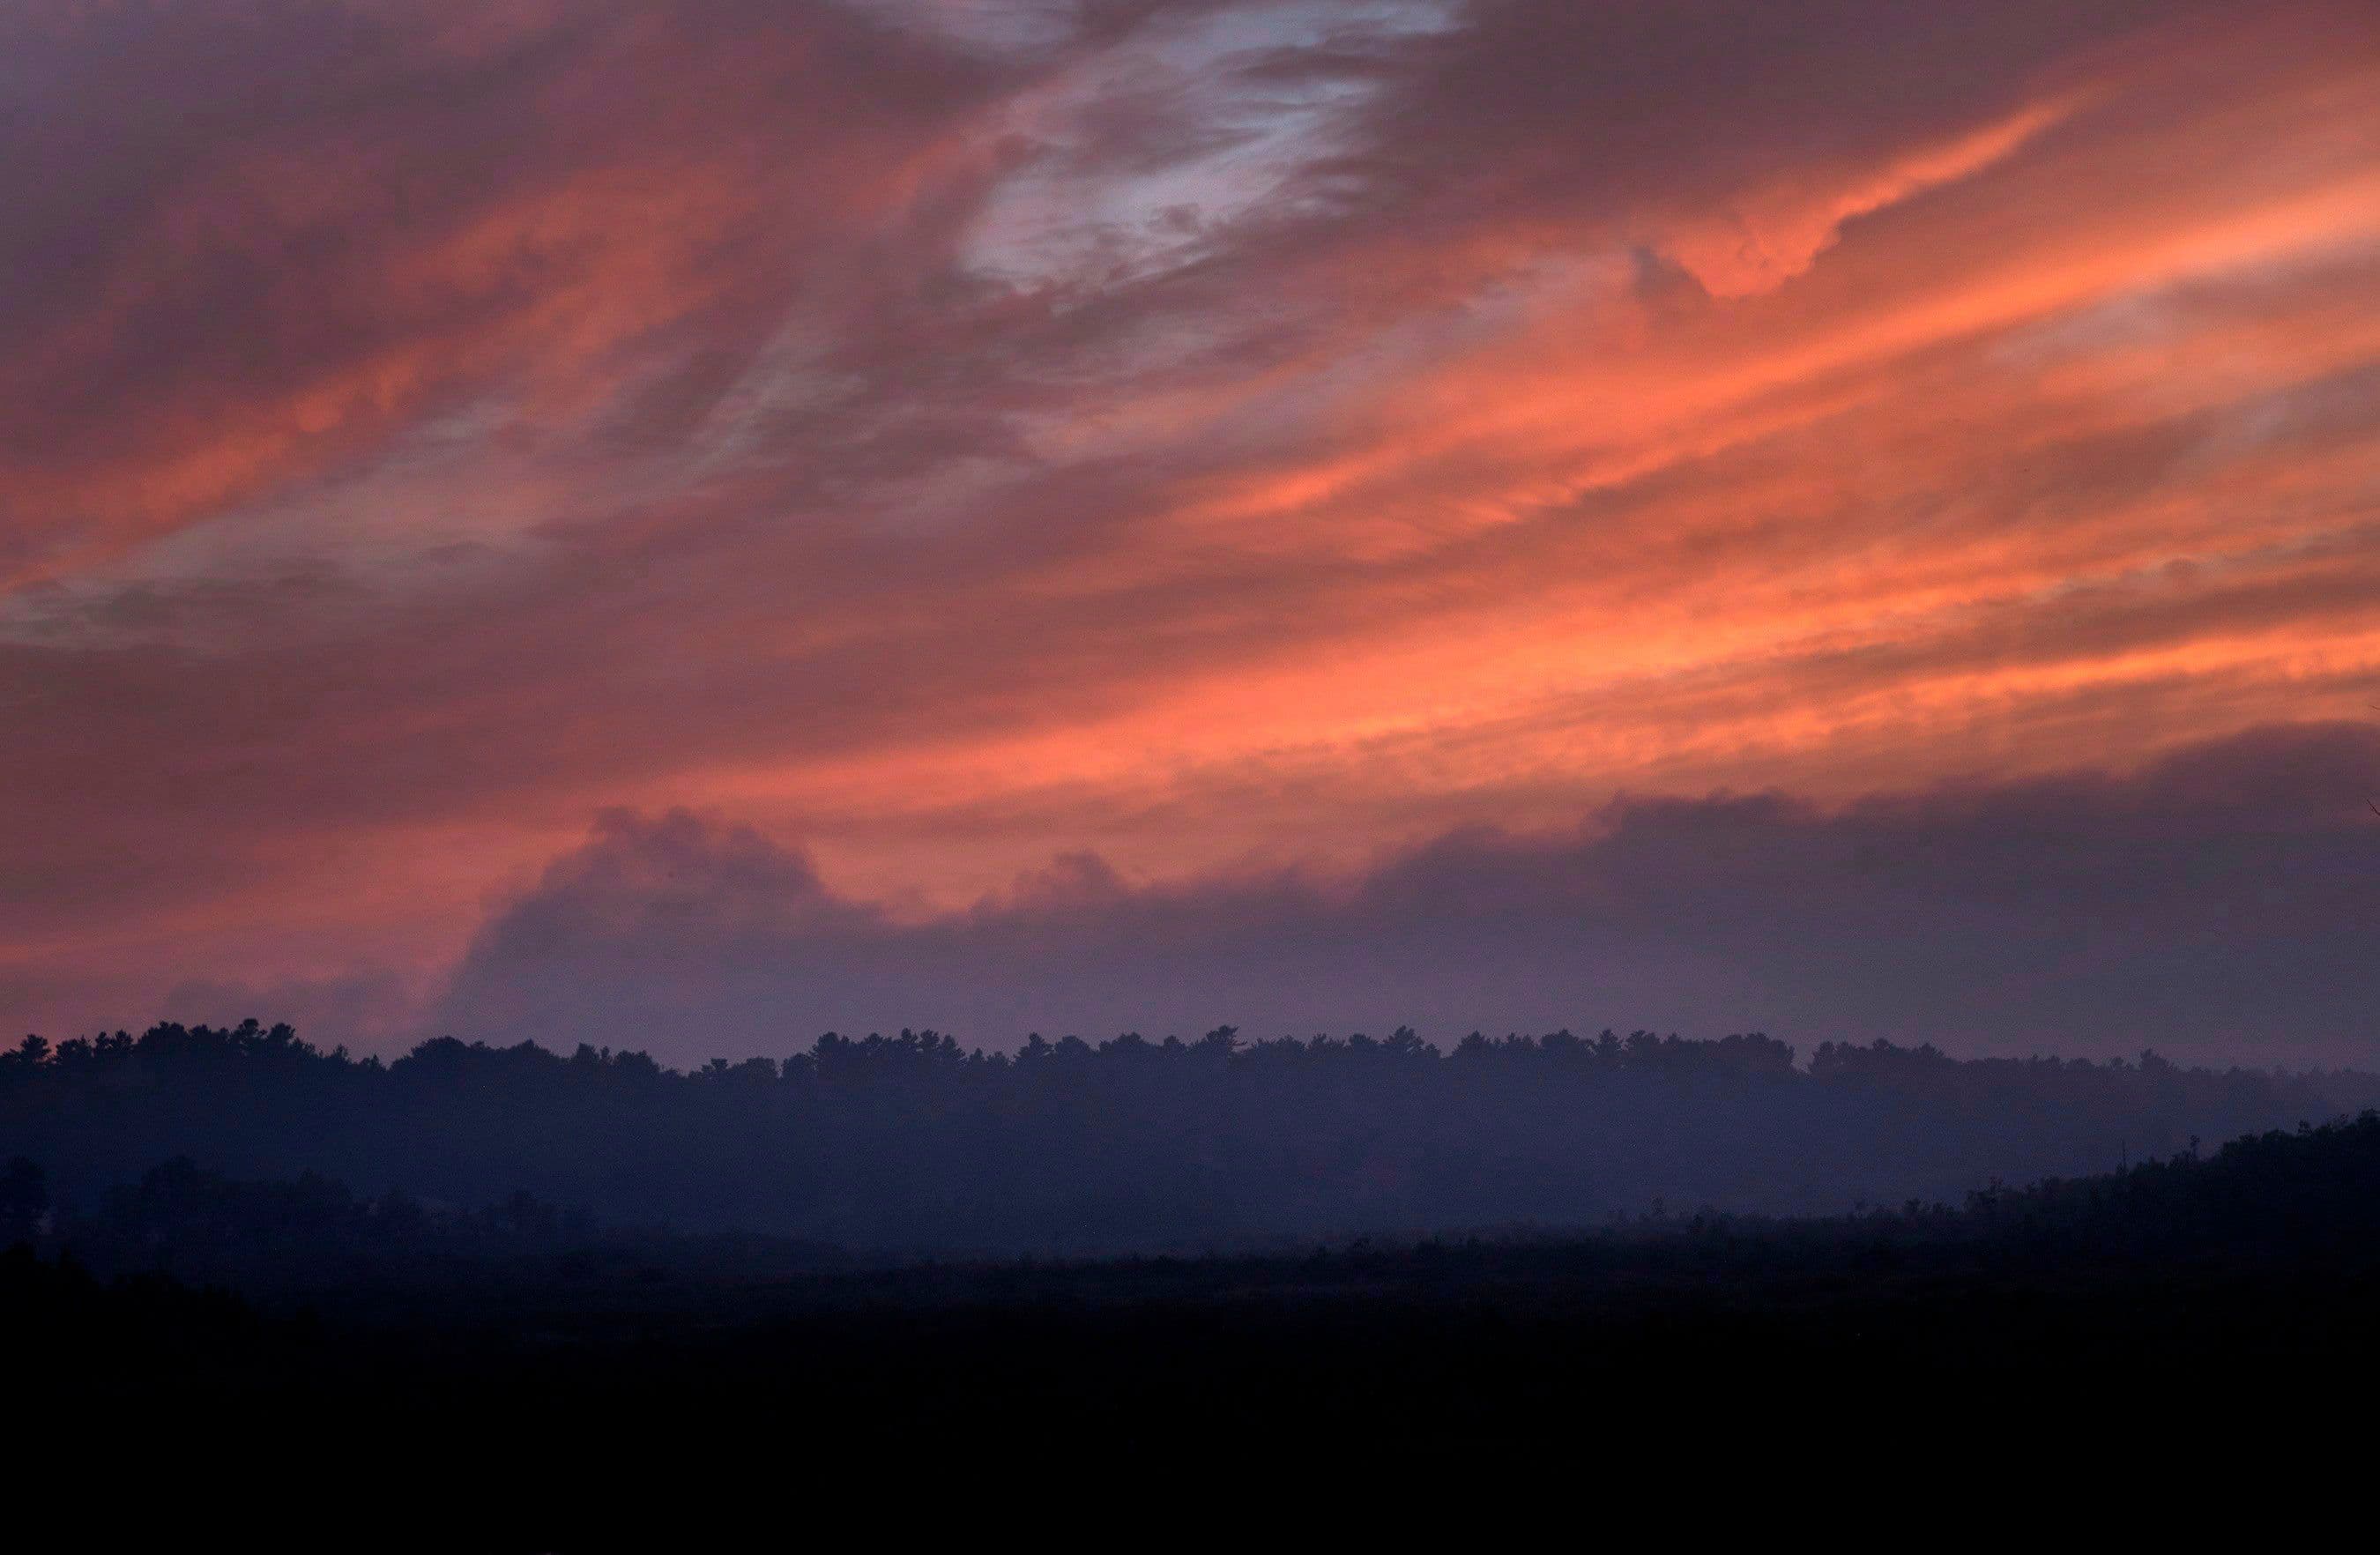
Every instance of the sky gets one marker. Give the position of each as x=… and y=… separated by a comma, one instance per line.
x=691, y=522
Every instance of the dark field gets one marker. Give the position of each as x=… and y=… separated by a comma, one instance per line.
x=568, y=1374
x=2178, y=1290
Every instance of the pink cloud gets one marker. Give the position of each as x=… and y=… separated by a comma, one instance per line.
x=1204, y=438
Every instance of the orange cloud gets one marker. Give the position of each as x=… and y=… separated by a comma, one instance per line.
x=561, y=410
x=1769, y=234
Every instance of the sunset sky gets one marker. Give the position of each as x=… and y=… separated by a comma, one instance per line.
x=694, y=522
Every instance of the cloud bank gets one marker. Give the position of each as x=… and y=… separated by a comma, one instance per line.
x=2216, y=905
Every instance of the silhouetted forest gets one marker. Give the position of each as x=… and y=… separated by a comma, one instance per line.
x=2229, y=1286
x=910, y=1144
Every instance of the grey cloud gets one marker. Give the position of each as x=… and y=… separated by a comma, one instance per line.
x=358, y=1010
x=2216, y=904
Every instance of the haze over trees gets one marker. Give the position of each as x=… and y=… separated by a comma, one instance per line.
x=913, y=1143
x=2233, y=1283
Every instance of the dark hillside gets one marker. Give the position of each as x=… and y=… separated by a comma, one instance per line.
x=2243, y=1284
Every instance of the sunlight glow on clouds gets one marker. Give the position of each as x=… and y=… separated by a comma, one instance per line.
x=1214, y=437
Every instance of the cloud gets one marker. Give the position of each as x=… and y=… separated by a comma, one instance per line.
x=1197, y=436
x=2215, y=903
x=1775, y=233
x=373, y=1008
x=251, y=239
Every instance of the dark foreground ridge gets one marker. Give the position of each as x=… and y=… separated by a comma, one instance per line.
x=2243, y=1279
x=910, y=1145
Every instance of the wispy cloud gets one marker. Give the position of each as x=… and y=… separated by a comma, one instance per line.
x=1215, y=436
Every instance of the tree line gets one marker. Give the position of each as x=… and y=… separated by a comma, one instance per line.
x=913, y=1142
